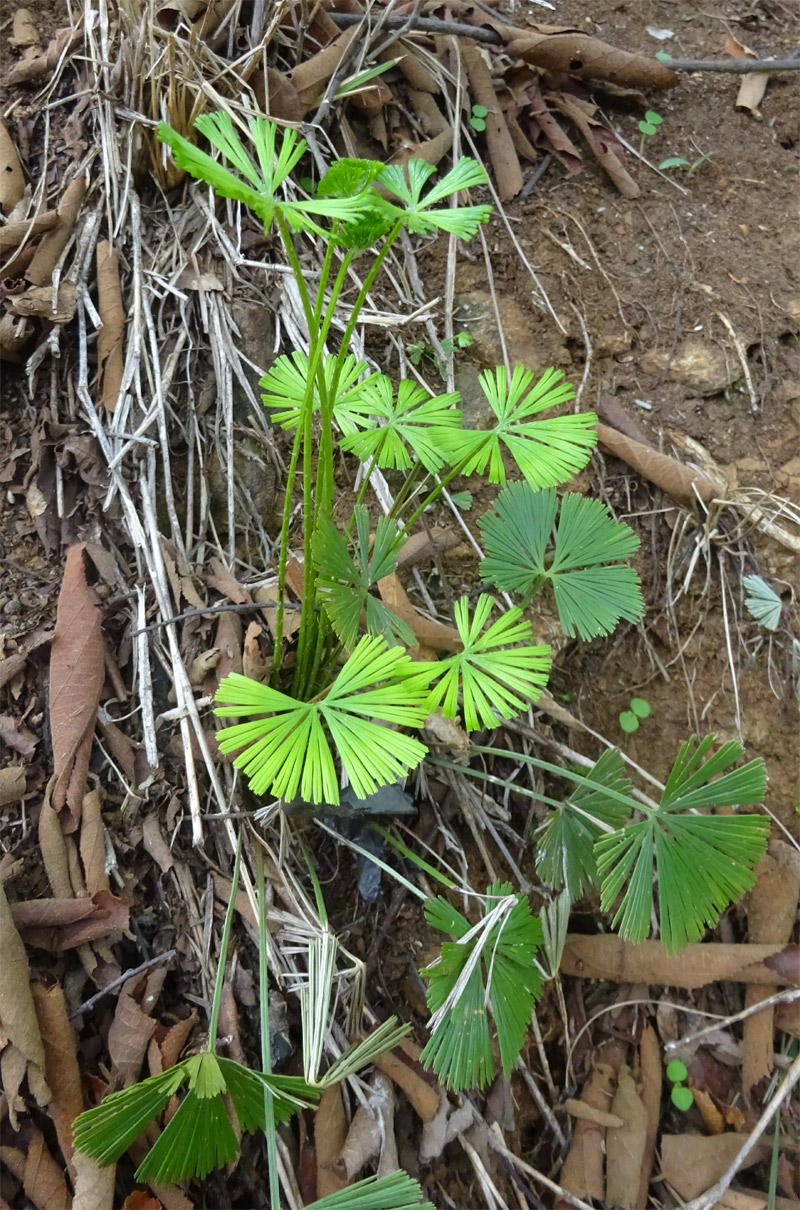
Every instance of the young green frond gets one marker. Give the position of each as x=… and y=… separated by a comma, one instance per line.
x=491, y=673
x=353, y=178
x=491, y=965
x=387, y=1035
x=566, y=849
x=702, y=862
x=285, y=387
x=413, y=420
x=548, y=452
x=763, y=603
x=421, y=213
x=344, y=580
x=200, y=1135
x=290, y=750
x=394, y=1192
x=592, y=591
x=276, y=159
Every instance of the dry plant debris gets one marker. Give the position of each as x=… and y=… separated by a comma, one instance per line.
x=140, y=478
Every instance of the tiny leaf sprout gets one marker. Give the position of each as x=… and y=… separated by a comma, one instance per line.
x=478, y=117
x=629, y=719
x=648, y=126
x=680, y=1095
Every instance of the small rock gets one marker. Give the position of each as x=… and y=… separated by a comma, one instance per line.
x=528, y=342
x=702, y=367
x=13, y=607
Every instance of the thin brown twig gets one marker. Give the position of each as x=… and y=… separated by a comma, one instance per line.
x=458, y=29
x=167, y=956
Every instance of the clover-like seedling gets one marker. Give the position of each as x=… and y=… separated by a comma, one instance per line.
x=478, y=117
x=629, y=719
x=680, y=1094
x=649, y=126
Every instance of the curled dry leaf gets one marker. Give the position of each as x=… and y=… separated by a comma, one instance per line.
x=94, y=1186
x=692, y=1163
x=42, y=1178
x=330, y=1132
x=12, y=785
x=371, y=1132
x=502, y=152
x=650, y=1083
x=15, y=333
x=10, y=668
x=77, y=672
x=610, y=957
x=37, y=303
x=155, y=844
x=14, y=235
x=23, y=29
x=771, y=913
x=24, y=1050
x=54, y=242
x=403, y=1067
x=625, y=1144
x=254, y=663
x=426, y=630
x=583, y=1171
x=92, y=846
x=448, y=1123
x=682, y=482
x=61, y=1065
x=132, y=1027
x=754, y=85
x=53, y=848
x=112, y=313
x=12, y=182
x=277, y=97
x=40, y=67
x=62, y=924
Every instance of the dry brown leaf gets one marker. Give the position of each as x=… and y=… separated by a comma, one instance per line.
x=692, y=1163
x=12, y=181
x=140, y=1200
x=155, y=844
x=771, y=913
x=371, y=1131
x=502, y=152
x=330, y=1132
x=220, y=577
x=14, y=235
x=94, y=1186
x=121, y=747
x=62, y=924
x=446, y=1126
x=587, y=1113
x=16, y=736
x=173, y=1041
x=278, y=97
x=109, y=338
x=684, y=483
x=15, y=333
x=229, y=645
x=77, y=672
x=603, y=143
x=403, y=1067
x=310, y=77
x=10, y=668
x=650, y=1082
x=432, y=151
x=549, y=129
x=583, y=1172
x=254, y=664
x=752, y=86
x=37, y=303
x=24, y=1050
x=713, y=1119
x=610, y=957
x=29, y=71
x=427, y=631
x=23, y=29
x=53, y=848
x=93, y=847
x=625, y=1145
x=61, y=1065
x=43, y=1181
x=12, y=784
x=129, y=1033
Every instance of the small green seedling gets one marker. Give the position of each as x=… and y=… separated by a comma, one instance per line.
x=678, y=161
x=649, y=126
x=680, y=1095
x=762, y=602
x=478, y=119
x=629, y=719
x=421, y=350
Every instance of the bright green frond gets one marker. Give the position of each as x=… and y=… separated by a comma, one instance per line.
x=394, y=1192
x=566, y=848
x=489, y=966
x=289, y=751
x=107, y=1131
x=591, y=592
x=421, y=213
x=491, y=674
x=197, y=1139
x=201, y=166
x=703, y=862
x=246, y=1088
x=413, y=421
x=349, y=177
x=285, y=387
x=548, y=452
